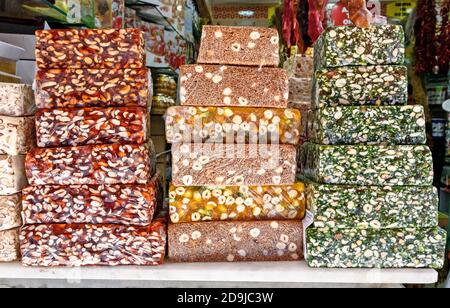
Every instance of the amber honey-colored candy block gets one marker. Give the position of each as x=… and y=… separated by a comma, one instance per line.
x=233, y=164
x=16, y=100
x=222, y=241
x=238, y=86
x=131, y=205
x=87, y=244
x=92, y=48
x=237, y=203
x=91, y=165
x=74, y=88
x=17, y=135
x=233, y=125
x=12, y=174
x=250, y=46
x=85, y=126
x=10, y=212
x=9, y=245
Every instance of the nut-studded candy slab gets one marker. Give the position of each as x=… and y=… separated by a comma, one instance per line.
x=240, y=203
x=17, y=135
x=92, y=48
x=375, y=165
x=9, y=245
x=236, y=241
x=91, y=204
x=387, y=248
x=12, y=174
x=16, y=100
x=75, y=88
x=85, y=126
x=353, y=46
x=238, y=86
x=10, y=212
x=368, y=125
x=300, y=89
x=233, y=125
x=248, y=46
x=235, y=165
x=91, y=165
x=364, y=207
x=380, y=85
x=87, y=244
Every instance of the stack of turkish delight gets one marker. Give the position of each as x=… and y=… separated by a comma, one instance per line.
x=372, y=195
x=234, y=196
x=17, y=137
x=93, y=190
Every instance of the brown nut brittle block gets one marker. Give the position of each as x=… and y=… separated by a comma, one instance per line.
x=91, y=165
x=87, y=244
x=300, y=89
x=249, y=46
x=16, y=100
x=236, y=241
x=237, y=203
x=12, y=174
x=215, y=85
x=92, y=48
x=233, y=125
x=131, y=205
x=85, y=126
x=10, y=212
x=17, y=135
x=74, y=88
x=9, y=245
x=230, y=164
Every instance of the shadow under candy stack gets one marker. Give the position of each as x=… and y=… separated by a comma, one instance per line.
x=372, y=195
x=234, y=195
x=93, y=190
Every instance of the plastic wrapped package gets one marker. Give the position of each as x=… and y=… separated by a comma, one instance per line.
x=92, y=48
x=375, y=207
x=238, y=86
x=368, y=125
x=77, y=88
x=352, y=46
x=16, y=100
x=387, y=248
x=91, y=165
x=360, y=85
x=10, y=212
x=12, y=174
x=233, y=165
x=237, y=203
x=131, y=205
x=87, y=244
x=300, y=89
x=9, y=245
x=17, y=135
x=76, y=127
x=248, y=46
x=223, y=241
x=397, y=165
x=233, y=125
x=166, y=85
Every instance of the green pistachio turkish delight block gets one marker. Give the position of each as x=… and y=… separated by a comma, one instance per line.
x=360, y=85
x=368, y=125
x=370, y=165
x=386, y=248
x=364, y=207
x=351, y=46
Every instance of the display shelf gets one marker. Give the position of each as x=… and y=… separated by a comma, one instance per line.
x=268, y=272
